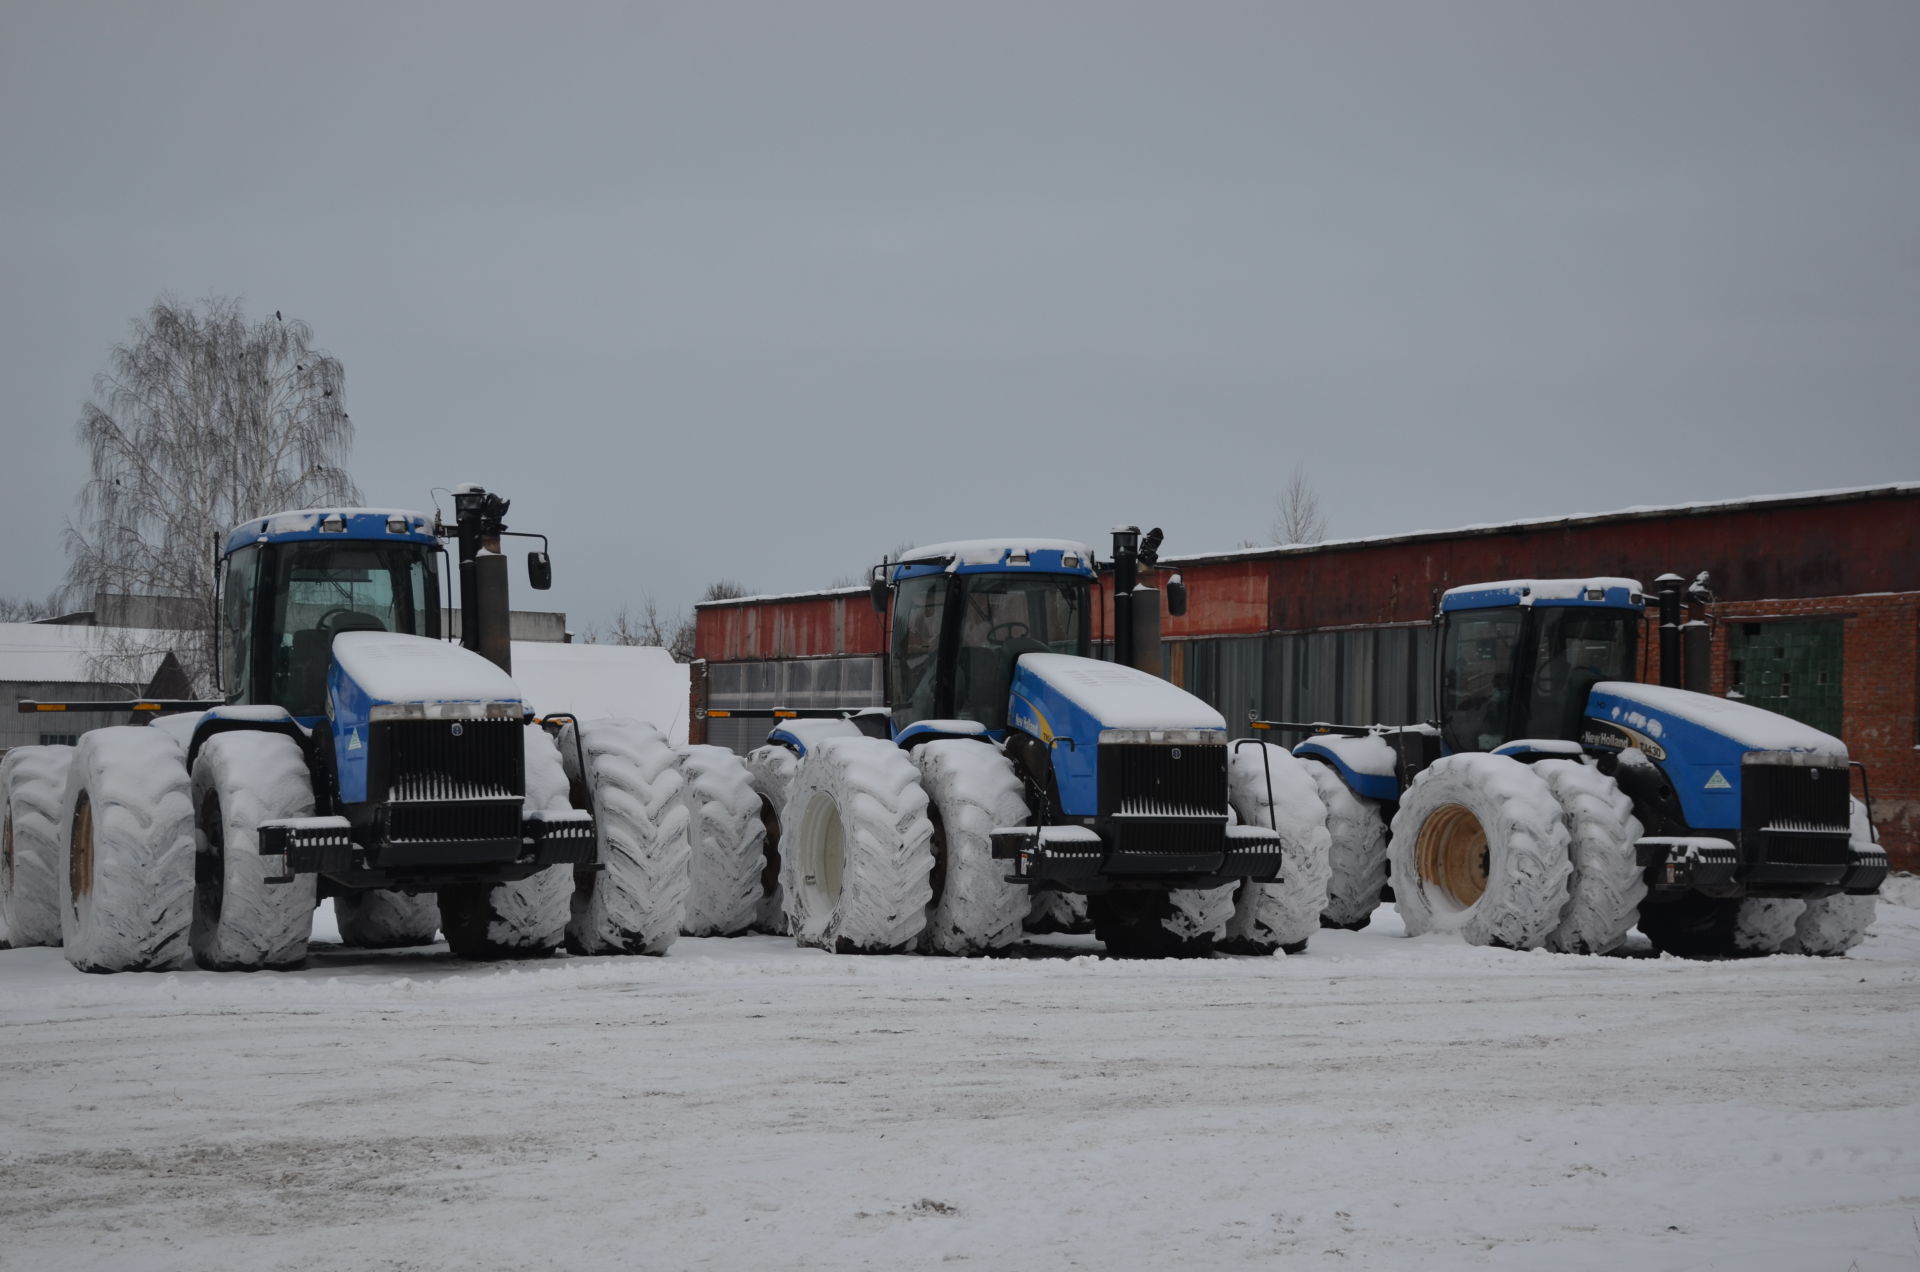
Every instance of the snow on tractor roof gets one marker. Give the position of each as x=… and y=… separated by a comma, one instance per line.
x=993, y=551
x=1122, y=697
x=352, y=523
x=1605, y=591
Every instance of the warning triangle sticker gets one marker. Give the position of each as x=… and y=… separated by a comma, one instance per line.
x=353, y=744
x=1719, y=782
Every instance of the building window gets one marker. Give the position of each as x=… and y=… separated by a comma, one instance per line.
x=1793, y=667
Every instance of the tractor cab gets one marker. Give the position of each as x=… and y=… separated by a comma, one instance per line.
x=295, y=581
x=963, y=613
x=1519, y=658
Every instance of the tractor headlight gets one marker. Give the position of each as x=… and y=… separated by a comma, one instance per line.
x=1162, y=737
x=447, y=711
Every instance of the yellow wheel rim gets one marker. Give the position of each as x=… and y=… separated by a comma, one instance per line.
x=1451, y=854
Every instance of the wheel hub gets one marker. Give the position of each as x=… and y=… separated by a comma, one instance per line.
x=80, y=854
x=1451, y=854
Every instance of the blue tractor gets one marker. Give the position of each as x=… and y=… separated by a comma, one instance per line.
x=360, y=753
x=1010, y=762
x=1557, y=802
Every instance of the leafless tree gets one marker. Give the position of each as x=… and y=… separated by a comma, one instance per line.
x=15, y=609
x=202, y=420
x=649, y=627
x=1298, y=518
x=683, y=636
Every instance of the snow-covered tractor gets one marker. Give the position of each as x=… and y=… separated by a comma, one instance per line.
x=1012, y=764
x=1559, y=803
x=356, y=754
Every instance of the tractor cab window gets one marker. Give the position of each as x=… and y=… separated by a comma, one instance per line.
x=319, y=589
x=919, y=618
x=1575, y=648
x=1003, y=616
x=1476, y=686
x=236, y=619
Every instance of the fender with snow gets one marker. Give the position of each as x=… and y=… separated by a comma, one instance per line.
x=1270, y=788
x=635, y=903
x=240, y=921
x=971, y=789
x=1479, y=848
x=1607, y=884
x=32, y=781
x=528, y=917
x=126, y=853
x=856, y=860
x=726, y=842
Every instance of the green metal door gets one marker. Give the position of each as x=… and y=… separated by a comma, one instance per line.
x=1791, y=667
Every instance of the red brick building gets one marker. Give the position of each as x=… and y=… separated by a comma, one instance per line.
x=1816, y=615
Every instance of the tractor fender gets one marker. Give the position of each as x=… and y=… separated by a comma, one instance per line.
x=1364, y=764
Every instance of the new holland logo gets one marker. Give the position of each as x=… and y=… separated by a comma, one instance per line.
x=353, y=740
x=1719, y=782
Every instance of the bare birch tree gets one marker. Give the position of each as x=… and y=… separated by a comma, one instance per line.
x=1298, y=518
x=202, y=420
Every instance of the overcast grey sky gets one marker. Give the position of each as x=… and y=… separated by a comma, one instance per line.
x=763, y=290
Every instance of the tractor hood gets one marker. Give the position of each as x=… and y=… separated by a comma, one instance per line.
x=1701, y=741
x=1061, y=697
x=380, y=676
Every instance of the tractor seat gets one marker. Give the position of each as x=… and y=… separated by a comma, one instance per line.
x=312, y=651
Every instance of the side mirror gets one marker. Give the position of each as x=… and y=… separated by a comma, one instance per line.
x=1176, y=596
x=539, y=571
x=877, y=587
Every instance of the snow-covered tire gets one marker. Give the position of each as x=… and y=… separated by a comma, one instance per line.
x=1283, y=914
x=126, y=853
x=383, y=919
x=528, y=917
x=1185, y=923
x=32, y=780
x=1607, y=885
x=726, y=842
x=1830, y=926
x=771, y=769
x=1695, y=926
x=1478, y=848
x=242, y=923
x=635, y=902
x=1052, y=911
x=856, y=860
x=971, y=789
x=1356, y=852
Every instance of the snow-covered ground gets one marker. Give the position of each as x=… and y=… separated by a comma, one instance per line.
x=1379, y=1102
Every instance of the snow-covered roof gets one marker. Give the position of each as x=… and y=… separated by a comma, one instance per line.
x=61, y=654
x=1639, y=512
x=992, y=551
x=637, y=682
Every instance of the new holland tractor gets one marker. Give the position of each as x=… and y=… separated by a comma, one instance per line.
x=358, y=754
x=1559, y=803
x=1012, y=762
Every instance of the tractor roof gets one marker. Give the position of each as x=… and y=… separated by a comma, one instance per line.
x=1599, y=593
x=382, y=524
x=997, y=556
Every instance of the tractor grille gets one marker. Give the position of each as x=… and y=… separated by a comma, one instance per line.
x=474, y=822
x=440, y=760
x=1156, y=780
x=1781, y=797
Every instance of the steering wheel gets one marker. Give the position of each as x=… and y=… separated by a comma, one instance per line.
x=325, y=622
x=1001, y=633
